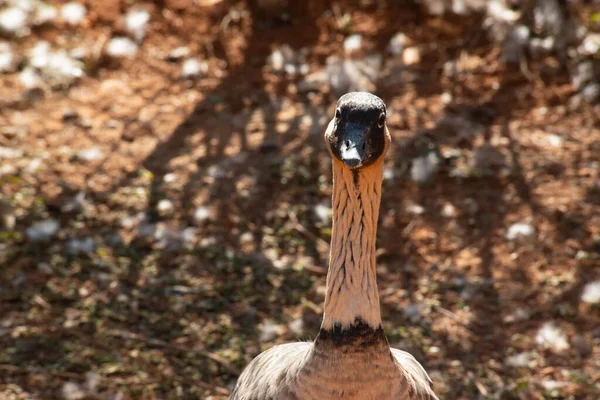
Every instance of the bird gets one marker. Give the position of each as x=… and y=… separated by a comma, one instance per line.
x=350, y=358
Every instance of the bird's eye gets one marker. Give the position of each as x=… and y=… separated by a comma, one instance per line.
x=338, y=114
x=381, y=120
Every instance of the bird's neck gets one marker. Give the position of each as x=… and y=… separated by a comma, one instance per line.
x=352, y=297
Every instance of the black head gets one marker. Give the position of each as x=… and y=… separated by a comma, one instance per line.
x=357, y=135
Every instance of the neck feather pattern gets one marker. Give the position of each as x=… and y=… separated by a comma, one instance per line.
x=352, y=293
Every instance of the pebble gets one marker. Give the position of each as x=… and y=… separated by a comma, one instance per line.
x=518, y=230
x=552, y=337
x=411, y=56
x=7, y=216
x=8, y=153
x=415, y=209
x=45, y=268
x=75, y=204
x=424, y=169
x=13, y=21
x=91, y=154
x=583, y=73
x=72, y=391
x=591, y=92
x=30, y=79
x=590, y=45
x=44, y=13
x=193, y=67
x=165, y=206
x=80, y=246
x=516, y=40
x=352, y=44
x=203, y=213
x=323, y=213
x=136, y=22
x=591, y=293
x=522, y=360
x=448, y=211
x=121, y=47
x=397, y=43
x=8, y=61
x=73, y=13
x=297, y=327
x=554, y=140
x=43, y=230
x=269, y=331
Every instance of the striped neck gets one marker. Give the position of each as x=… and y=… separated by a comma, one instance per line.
x=352, y=293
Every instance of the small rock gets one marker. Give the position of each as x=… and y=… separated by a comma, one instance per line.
x=7, y=216
x=121, y=47
x=522, y=360
x=203, y=213
x=352, y=44
x=583, y=73
x=552, y=386
x=246, y=238
x=415, y=209
x=552, y=337
x=73, y=13
x=178, y=53
x=285, y=59
x=269, y=331
x=165, y=206
x=189, y=234
x=323, y=213
x=591, y=92
x=520, y=314
x=80, y=246
x=411, y=56
x=43, y=230
x=45, y=268
x=540, y=46
x=72, y=391
x=193, y=68
x=91, y=154
x=170, y=177
x=44, y=13
x=136, y=22
x=512, y=52
x=397, y=43
x=591, y=293
x=413, y=312
x=590, y=45
x=519, y=230
x=297, y=327
x=8, y=61
x=7, y=153
x=424, y=169
x=76, y=204
x=448, y=211
x=216, y=172
x=30, y=79
x=554, y=140
x=13, y=21
x=313, y=82
x=92, y=381
x=435, y=7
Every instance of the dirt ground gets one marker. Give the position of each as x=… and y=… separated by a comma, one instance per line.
x=175, y=297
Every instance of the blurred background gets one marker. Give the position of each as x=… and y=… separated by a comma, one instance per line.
x=165, y=191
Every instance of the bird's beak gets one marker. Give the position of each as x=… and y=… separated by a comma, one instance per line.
x=353, y=145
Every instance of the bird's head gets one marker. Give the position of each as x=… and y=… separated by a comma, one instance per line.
x=357, y=135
